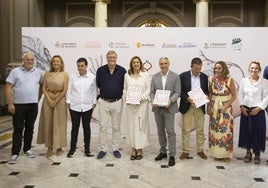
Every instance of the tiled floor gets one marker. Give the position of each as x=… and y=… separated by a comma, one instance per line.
x=81, y=171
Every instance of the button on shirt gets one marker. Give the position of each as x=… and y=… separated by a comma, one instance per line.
x=195, y=81
x=82, y=92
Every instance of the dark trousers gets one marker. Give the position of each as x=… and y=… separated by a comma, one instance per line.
x=24, y=119
x=76, y=116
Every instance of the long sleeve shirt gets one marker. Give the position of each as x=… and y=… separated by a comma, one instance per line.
x=253, y=95
x=82, y=92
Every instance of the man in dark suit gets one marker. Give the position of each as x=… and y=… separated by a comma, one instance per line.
x=190, y=80
x=165, y=115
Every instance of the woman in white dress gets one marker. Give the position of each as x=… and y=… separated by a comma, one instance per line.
x=136, y=94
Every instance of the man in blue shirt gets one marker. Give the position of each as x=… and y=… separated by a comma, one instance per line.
x=22, y=94
x=110, y=81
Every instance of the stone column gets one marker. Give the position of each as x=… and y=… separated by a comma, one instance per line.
x=256, y=13
x=54, y=13
x=101, y=12
x=201, y=13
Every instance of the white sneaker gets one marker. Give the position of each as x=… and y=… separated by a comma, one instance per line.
x=13, y=159
x=29, y=154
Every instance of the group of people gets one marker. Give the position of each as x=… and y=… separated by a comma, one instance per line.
x=109, y=89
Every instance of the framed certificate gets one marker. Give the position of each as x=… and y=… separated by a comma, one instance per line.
x=133, y=95
x=198, y=96
x=161, y=97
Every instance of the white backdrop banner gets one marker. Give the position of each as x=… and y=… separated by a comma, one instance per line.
x=236, y=46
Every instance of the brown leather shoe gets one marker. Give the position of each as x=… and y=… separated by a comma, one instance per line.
x=202, y=155
x=184, y=155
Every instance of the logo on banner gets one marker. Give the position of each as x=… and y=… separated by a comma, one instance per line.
x=92, y=44
x=147, y=65
x=237, y=44
x=118, y=45
x=215, y=45
x=65, y=44
x=187, y=45
x=167, y=45
x=147, y=45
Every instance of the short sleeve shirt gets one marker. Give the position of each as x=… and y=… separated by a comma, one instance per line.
x=25, y=84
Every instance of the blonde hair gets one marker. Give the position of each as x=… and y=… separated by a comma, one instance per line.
x=255, y=62
x=51, y=63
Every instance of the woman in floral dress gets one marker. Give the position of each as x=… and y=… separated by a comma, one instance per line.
x=222, y=94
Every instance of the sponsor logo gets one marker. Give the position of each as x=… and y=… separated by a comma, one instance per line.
x=215, y=45
x=187, y=45
x=167, y=45
x=146, y=45
x=147, y=65
x=65, y=45
x=237, y=44
x=118, y=45
x=92, y=44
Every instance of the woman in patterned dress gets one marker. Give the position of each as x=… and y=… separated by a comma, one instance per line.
x=53, y=119
x=222, y=94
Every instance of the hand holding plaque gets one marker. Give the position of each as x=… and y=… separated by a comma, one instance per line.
x=198, y=96
x=161, y=97
x=133, y=95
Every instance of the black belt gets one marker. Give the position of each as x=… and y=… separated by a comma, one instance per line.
x=110, y=100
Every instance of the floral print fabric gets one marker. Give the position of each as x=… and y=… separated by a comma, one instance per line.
x=220, y=124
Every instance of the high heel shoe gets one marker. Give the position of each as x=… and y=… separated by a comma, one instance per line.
x=59, y=151
x=248, y=157
x=257, y=159
x=133, y=154
x=49, y=152
x=139, y=154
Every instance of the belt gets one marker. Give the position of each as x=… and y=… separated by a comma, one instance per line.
x=55, y=91
x=110, y=100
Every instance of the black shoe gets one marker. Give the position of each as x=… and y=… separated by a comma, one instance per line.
x=70, y=154
x=88, y=154
x=160, y=156
x=171, y=161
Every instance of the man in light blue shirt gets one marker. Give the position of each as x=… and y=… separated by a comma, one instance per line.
x=22, y=95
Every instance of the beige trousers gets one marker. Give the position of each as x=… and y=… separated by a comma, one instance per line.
x=197, y=115
x=110, y=116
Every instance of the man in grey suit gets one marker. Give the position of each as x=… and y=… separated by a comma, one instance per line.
x=165, y=115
